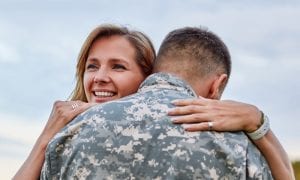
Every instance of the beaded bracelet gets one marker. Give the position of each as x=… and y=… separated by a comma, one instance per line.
x=262, y=130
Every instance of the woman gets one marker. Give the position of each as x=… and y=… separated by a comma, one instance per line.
x=112, y=63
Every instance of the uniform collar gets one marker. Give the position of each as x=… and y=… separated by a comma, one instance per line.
x=166, y=81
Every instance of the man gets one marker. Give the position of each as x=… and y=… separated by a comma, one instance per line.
x=133, y=138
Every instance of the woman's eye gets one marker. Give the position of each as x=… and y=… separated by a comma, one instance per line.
x=119, y=66
x=91, y=66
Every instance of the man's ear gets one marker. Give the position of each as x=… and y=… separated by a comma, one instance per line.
x=217, y=86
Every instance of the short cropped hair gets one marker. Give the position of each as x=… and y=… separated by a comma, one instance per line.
x=194, y=53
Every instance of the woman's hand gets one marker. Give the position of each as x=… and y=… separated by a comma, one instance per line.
x=224, y=115
x=62, y=113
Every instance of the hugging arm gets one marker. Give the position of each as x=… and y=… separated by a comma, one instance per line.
x=62, y=113
x=226, y=115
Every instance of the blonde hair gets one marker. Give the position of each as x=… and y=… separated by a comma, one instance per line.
x=145, y=53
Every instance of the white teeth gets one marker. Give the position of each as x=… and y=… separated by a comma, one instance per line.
x=104, y=94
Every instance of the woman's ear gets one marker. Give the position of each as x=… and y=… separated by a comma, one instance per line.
x=217, y=86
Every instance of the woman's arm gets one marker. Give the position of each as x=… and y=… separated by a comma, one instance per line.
x=62, y=113
x=275, y=155
x=194, y=115
x=32, y=166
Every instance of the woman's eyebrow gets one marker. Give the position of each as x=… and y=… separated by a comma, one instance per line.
x=91, y=59
x=119, y=61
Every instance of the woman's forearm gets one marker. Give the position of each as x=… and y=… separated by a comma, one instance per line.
x=31, y=168
x=229, y=115
x=276, y=156
x=62, y=113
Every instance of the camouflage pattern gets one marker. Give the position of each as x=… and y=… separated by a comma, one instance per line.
x=133, y=138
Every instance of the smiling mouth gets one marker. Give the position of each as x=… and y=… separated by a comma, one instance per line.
x=104, y=94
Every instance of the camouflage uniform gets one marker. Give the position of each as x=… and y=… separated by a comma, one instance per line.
x=133, y=138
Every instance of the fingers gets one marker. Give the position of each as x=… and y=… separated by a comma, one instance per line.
x=78, y=107
x=83, y=107
x=192, y=118
x=66, y=105
x=195, y=127
x=62, y=113
x=226, y=115
x=75, y=105
x=190, y=106
x=185, y=110
x=66, y=110
x=203, y=126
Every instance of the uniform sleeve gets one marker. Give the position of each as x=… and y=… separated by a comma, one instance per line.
x=256, y=165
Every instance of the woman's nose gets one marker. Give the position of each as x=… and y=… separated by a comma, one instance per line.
x=102, y=76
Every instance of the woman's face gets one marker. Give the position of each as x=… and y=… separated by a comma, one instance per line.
x=111, y=71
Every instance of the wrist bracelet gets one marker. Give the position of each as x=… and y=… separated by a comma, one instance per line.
x=262, y=130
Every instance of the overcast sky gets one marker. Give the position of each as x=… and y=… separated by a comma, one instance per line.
x=40, y=41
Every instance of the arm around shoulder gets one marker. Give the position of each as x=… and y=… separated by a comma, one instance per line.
x=276, y=156
x=32, y=166
x=62, y=113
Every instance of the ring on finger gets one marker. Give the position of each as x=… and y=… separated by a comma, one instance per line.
x=210, y=125
x=74, y=106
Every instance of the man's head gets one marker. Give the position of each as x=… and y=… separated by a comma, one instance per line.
x=198, y=56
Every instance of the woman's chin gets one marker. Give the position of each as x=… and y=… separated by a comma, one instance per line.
x=103, y=99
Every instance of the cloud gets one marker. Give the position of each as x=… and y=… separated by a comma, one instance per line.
x=40, y=42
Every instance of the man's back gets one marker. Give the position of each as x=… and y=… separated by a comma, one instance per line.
x=134, y=138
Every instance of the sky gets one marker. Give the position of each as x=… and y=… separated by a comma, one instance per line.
x=40, y=41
